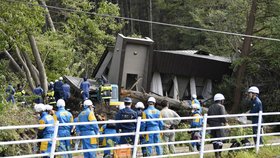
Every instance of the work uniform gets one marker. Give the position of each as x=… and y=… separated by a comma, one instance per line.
x=10, y=92
x=108, y=141
x=169, y=125
x=91, y=129
x=217, y=109
x=38, y=91
x=150, y=113
x=66, y=91
x=46, y=132
x=195, y=101
x=64, y=116
x=85, y=86
x=196, y=135
x=139, y=112
x=126, y=114
x=256, y=108
x=58, y=93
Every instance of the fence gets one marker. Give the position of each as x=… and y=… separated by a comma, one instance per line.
x=137, y=133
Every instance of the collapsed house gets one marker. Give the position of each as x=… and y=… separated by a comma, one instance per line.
x=133, y=64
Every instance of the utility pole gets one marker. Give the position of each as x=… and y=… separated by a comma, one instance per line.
x=151, y=19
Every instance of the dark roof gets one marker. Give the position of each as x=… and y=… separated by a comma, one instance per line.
x=191, y=63
x=76, y=81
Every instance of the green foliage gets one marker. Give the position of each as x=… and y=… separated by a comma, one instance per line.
x=12, y=115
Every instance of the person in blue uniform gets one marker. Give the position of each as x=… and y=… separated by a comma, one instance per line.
x=87, y=115
x=44, y=132
x=151, y=113
x=63, y=116
x=257, y=106
x=66, y=91
x=38, y=91
x=85, y=87
x=196, y=123
x=108, y=141
x=126, y=114
x=10, y=93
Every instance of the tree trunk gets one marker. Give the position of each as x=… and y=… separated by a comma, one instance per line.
x=21, y=72
x=180, y=107
x=40, y=65
x=48, y=15
x=244, y=54
x=27, y=72
x=31, y=68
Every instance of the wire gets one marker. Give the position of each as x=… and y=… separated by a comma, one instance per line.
x=150, y=22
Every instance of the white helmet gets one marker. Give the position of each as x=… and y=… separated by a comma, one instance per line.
x=39, y=107
x=194, y=96
x=48, y=107
x=60, y=78
x=51, y=82
x=139, y=105
x=56, y=81
x=152, y=99
x=87, y=103
x=219, y=96
x=195, y=106
x=254, y=89
x=60, y=103
x=121, y=106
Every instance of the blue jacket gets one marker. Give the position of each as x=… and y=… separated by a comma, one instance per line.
x=85, y=86
x=256, y=107
x=10, y=90
x=126, y=114
x=66, y=90
x=150, y=113
x=58, y=86
x=63, y=116
x=46, y=119
x=87, y=116
x=111, y=129
x=197, y=122
x=38, y=91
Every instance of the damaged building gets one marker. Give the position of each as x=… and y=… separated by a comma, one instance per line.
x=133, y=64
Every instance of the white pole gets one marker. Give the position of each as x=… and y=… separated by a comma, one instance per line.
x=138, y=125
x=54, y=139
x=201, y=152
x=259, y=132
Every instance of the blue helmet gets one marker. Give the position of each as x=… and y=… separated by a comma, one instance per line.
x=127, y=100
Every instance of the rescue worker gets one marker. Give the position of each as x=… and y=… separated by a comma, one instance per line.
x=44, y=132
x=169, y=125
x=126, y=114
x=217, y=109
x=10, y=91
x=139, y=110
x=38, y=91
x=109, y=128
x=85, y=87
x=50, y=110
x=58, y=93
x=195, y=101
x=51, y=86
x=151, y=113
x=20, y=92
x=63, y=116
x=196, y=123
x=66, y=91
x=87, y=115
x=256, y=103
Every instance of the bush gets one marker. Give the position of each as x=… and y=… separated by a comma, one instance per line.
x=11, y=115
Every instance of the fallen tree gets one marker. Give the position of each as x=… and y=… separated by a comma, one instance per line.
x=181, y=107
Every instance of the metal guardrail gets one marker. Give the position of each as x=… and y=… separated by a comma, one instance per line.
x=137, y=134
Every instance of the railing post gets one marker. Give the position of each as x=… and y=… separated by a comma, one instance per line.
x=201, y=152
x=259, y=132
x=56, y=125
x=138, y=125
